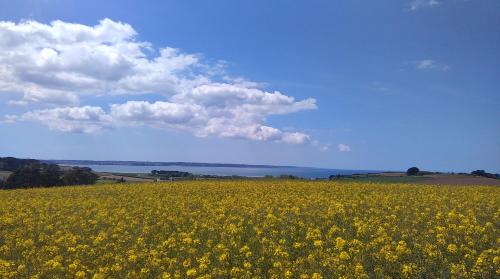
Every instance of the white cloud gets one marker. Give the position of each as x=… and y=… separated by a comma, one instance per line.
x=198, y=120
x=425, y=64
x=344, y=147
x=417, y=4
x=429, y=64
x=85, y=119
x=56, y=64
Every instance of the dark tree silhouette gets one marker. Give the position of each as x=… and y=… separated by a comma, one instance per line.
x=79, y=176
x=13, y=164
x=484, y=174
x=412, y=171
x=34, y=175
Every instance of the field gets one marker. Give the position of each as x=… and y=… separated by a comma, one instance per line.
x=251, y=229
x=428, y=179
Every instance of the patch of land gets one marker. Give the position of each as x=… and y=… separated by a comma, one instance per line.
x=430, y=179
x=125, y=177
x=460, y=180
x=385, y=177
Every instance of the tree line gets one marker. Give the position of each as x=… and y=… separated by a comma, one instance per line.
x=27, y=173
x=416, y=171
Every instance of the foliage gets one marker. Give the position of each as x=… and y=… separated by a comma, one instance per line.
x=34, y=175
x=47, y=175
x=13, y=164
x=341, y=176
x=412, y=171
x=247, y=229
x=288, y=176
x=484, y=174
x=165, y=174
x=79, y=176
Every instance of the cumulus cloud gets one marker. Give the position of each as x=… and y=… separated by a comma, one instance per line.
x=85, y=119
x=56, y=64
x=429, y=64
x=344, y=147
x=198, y=120
x=417, y=4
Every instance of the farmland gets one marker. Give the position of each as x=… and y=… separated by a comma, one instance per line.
x=247, y=229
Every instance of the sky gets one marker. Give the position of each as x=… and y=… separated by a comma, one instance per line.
x=378, y=85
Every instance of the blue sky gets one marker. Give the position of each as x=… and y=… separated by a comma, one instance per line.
x=362, y=84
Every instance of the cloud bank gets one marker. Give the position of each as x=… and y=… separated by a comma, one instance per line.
x=55, y=65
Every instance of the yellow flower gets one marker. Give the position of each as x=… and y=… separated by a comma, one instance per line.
x=344, y=256
x=452, y=248
x=318, y=243
x=250, y=229
x=223, y=258
x=409, y=270
x=132, y=258
x=21, y=268
x=339, y=243
x=191, y=272
x=247, y=265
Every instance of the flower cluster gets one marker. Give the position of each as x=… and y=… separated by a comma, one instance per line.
x=251, y=229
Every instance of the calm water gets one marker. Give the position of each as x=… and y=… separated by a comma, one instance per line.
x=225, y=171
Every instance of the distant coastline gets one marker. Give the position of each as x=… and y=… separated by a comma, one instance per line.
x=146, y=163
x=197, y=168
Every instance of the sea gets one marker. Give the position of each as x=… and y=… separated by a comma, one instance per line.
x=303, y=172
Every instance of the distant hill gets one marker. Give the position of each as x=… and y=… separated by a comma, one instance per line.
x=143, y=163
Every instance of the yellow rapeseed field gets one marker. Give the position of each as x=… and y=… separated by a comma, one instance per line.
x=251, y=229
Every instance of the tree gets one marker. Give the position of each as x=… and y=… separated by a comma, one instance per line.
x=51, y=175
x=34, y=175
x=288, y=176
x=484, y=174
x=13, y=164
x=79, y=176
x=478, y=173
x=412, y=171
